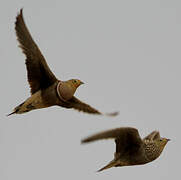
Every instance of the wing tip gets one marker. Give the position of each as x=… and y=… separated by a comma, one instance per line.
x=86, y=140
x=112, y=114
x=19, y=15
x=89, y=139
x=21, y=11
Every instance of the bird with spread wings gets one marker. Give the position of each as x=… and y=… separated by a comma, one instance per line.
x=131, y=149
x=46, y=89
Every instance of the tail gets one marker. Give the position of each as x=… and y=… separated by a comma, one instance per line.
x=111, y=164
x=16, y=109
x=14, y=112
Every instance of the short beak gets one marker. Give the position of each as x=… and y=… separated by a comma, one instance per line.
x=168, y=139
x=81, y=82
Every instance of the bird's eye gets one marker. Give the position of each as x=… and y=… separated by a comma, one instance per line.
x=74, y=81
x=160, y=139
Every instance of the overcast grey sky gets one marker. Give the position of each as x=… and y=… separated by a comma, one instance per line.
x=127, y=53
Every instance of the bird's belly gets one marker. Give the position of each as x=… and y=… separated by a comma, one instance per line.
x=33, y=102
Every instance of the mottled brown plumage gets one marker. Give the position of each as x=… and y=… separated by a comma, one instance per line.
x=46, y=89
x=130, y=148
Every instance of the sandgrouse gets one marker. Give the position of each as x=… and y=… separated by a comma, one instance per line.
x=46, y=89
x=130, y=148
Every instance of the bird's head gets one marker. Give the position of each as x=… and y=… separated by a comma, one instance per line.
x=162, y=142
x=75, y=83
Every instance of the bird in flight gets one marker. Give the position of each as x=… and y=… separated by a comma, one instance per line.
x=130, y=148
x=46, y=89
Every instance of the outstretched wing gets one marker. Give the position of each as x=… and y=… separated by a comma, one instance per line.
x=129, y=145
x=119, y=134
x=153, y=136
x=38, y=72
x=81, y=106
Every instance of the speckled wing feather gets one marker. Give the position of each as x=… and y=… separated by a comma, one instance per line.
x=38, y=72
x=120, y=134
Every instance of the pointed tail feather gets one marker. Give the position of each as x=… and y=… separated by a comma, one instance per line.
x=111, y=164
x=14, y=112
x=16, y=109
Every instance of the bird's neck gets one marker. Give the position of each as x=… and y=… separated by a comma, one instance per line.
x=152, y=151
x=65, y=91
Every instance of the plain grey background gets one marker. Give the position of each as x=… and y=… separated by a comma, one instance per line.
x=127, y=53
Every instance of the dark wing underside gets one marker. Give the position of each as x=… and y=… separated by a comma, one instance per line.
x=38, y=72
x=123, y=133
x=129, y=142
x=81, y=106
x=127, y=139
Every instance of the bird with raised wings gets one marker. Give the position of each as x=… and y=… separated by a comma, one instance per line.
x=130, y=148
x=46, y=89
